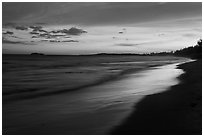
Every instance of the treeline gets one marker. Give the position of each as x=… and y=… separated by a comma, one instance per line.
x=194, y=52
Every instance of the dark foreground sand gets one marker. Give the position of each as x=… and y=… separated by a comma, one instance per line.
x=175, y=112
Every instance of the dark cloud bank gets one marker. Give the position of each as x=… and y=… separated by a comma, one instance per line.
x=97, y=13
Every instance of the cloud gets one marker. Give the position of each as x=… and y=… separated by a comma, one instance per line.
x=8, y=32
x=127, y=44
x=21, y=28
x=16, y=42
x=148, y=42
x=189, y=35
x=12, y=42
x=97, y=13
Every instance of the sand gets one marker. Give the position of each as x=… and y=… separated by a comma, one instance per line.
x=177, y=111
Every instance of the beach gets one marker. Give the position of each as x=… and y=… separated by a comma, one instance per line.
x=101, y=68
x=111, y=86
x=178, y=111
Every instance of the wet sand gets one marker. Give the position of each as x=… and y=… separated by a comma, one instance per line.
x=175, y=112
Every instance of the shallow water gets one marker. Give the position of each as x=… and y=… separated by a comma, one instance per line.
x=25, y=76
x=93, y=110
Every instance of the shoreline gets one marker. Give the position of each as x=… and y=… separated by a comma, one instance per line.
x=178, y=111
x=31, y=94
x=72, y=111
x=107, y=78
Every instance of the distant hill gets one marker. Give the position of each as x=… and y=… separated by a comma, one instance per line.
x=37, y=54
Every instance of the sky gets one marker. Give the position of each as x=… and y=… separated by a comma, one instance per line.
x=118, y=27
